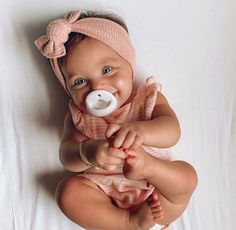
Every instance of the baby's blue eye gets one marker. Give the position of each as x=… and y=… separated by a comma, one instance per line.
x=106, y=69
x=80, y=81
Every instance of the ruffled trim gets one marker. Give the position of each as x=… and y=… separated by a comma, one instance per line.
x=148, y=91
x=90, y=126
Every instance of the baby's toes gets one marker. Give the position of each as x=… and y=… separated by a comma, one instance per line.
x=131, y=161
x=158, y=215
x=155, y=196
x=154, y=204
x=157, y=212
x=156, y=209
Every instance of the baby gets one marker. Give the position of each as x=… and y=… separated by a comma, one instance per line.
x=117, y=137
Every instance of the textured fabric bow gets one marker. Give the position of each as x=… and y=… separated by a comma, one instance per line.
x=51, y=45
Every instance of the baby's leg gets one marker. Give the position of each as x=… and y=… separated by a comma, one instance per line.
x=85, y=204
x=174, y=181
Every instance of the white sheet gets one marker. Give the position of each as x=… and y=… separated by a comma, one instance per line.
x=189, y=46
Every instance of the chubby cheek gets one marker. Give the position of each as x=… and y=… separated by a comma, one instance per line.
x=124, y=91
x=79, y=100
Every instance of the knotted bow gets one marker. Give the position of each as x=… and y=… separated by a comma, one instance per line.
x=51, y=45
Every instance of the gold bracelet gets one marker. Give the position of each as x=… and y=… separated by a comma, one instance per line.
x=82, y=157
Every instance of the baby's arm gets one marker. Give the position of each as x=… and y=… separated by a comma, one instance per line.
x=161, y=131
x=98, y=152
x=69, y=147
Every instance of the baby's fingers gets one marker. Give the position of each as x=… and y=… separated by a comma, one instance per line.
x=120, y=138
x=130, y=153
x=109, y=167
x=129, y=140
x=137, y=142
x=114, y=161
x=111, y=130
x=118, y=153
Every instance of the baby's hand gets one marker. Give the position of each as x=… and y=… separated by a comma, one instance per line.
x=101, y=154
x=127, y=136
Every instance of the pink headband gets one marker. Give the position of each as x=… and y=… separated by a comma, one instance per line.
x=104, y=30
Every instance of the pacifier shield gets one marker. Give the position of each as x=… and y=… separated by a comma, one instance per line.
x=100, y=103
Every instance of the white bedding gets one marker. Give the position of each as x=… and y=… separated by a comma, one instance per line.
x=189, y=46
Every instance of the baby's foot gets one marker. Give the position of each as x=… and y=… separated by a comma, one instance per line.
x=136, y=166
x=147, y=214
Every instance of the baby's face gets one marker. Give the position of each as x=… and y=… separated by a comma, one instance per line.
x=91, y=65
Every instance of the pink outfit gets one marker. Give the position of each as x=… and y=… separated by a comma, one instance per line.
x=125, y=193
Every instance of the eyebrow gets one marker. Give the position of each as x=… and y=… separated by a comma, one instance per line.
x=103, y=61
x=107, y=60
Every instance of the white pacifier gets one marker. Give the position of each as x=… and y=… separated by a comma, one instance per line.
x=100, y=103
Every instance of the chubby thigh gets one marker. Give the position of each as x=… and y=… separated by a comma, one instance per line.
x=82, y=201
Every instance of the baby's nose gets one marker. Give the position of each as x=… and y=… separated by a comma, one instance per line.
x=98, y=83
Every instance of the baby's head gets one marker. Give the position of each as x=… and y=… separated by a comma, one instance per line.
x=90, y=51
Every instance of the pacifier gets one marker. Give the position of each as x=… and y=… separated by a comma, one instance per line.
x=100, y=103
